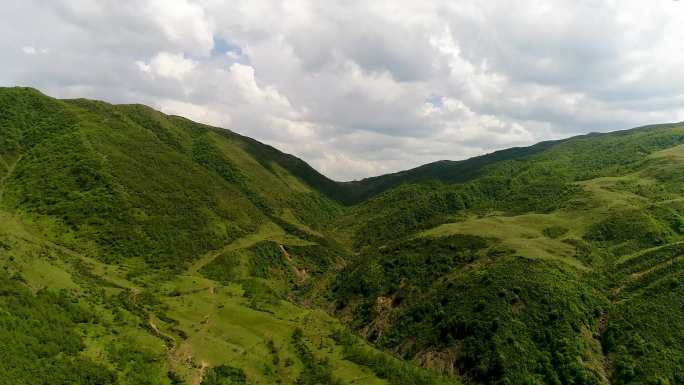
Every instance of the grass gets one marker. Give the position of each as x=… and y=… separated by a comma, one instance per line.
x=233, y=333
x=210, y=323
x=522, y=233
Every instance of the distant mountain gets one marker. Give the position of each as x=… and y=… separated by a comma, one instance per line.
x=450, y=171
x=142, y=248
x=443, y=170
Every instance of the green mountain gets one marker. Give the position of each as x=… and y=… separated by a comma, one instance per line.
x=142, y=248
x=556, y=267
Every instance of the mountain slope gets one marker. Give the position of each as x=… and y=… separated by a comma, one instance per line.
x=170, y=252
x=132, y=182
x=540, y=178
x=465, y=170
x=445, y=171
x=140, y=248
x=559, y=267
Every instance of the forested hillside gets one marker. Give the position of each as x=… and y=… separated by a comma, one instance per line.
x=142, y=248
x=557, y=267
x=128, y=181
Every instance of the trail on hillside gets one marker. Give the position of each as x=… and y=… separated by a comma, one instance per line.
x=641, y=252
x=170, y=341
x=608, y=369
x=674, y=200
x=202, y=370
x=181, y=354
x=239, y=243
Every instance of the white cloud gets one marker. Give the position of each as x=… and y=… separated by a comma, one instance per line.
x=184, y=23
x=198, y=113
x=242, y=77
x=361, y=88
x=168, y=65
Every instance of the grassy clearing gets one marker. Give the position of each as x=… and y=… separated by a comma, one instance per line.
x=522, y=233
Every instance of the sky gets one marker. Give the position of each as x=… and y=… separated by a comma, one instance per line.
x=362, y=88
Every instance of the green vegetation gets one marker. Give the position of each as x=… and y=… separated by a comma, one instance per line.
x=575, y=278
x=39, y=339
x=577, y=158
x=396, y=371
x=99, y=179
x=315, y=371
x=141, y=248
x=627, y=225
x=555, y=231
x=225, y=375
x=461, y=292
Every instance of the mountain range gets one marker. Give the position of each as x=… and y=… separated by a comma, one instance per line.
x=143, y=248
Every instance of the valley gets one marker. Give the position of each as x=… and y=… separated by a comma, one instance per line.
x=143, y=248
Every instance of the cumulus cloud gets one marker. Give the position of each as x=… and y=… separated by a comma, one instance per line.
x=198, y=113
x=168, y=65
x=183, y=23
x=362, y=88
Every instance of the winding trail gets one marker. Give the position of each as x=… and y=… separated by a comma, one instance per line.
x=674, y=200
x=182, y=353
x=239, y=243
x=169, y=340
x=200, y=377
x=626, y=258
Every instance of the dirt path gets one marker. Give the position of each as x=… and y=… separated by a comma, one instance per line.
x=655, y=267
x=182, y=354
x=626, y=258
x=207, y=259
x=168, y=339
x=200, y=377
x=239, y=243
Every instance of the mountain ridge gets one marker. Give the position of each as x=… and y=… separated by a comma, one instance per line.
x=357, y=191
